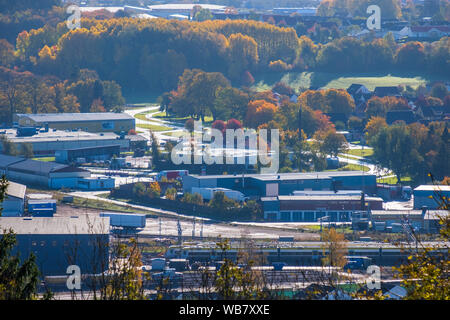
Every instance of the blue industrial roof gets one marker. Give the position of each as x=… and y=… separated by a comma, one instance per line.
x=291, y=175
x=71, y=117
x=5, y=160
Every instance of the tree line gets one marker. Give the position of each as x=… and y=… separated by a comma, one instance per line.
x=151, y=54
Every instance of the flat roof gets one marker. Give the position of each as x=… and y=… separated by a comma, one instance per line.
x=83, y=224
x=43, y=167
x=5, y=160
x=396, y=212
x=427, y=187
x=326, y=198
x=290, y=176
x=16, y=190
x=72, y=117
x=59, y=135
x=185, y=6
x=37, y=166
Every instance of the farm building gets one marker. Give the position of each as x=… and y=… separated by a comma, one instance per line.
x=59, y=242
x=429, y=196
x=13, y=204
x=46, y=143
x=89, y=122
x=269, y=185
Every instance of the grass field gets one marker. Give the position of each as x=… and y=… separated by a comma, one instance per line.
x=393, y=180
x=354, y=167
x=360, y=152
x=325, y=80
x=153, y=127
x=45, y=159
x=182, y=120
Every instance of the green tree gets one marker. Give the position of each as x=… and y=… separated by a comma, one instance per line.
x=27, y=150
x=8, y=147
x=331, y=142
x=394, y=149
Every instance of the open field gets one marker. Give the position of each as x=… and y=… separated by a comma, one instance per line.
x=45, y=159
x=153, y=127
x=360, y=152
x=354, y=167
x=337, y=80
x=393, y=180
x=163, y=116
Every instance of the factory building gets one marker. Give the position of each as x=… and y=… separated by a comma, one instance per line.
x=176, y=10
x=269, y=185
x=429, y=196
x=46, y=143
x=13, y=203
x=89, y=122
x=312, y=207
x=395, y=220
x=59, y=242
x=49, y=174
x=89, y=154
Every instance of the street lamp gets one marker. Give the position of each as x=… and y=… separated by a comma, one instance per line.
x=320, y=220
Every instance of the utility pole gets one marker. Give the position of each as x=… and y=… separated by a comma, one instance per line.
x=180, y=232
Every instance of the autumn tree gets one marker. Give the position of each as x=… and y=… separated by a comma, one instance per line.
x=331, y=142
x=334, y=248
x=374, y=126
x=259, y=112
x=243, y=55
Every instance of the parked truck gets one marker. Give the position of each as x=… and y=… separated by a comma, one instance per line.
x=126, y=221
x=171, y=174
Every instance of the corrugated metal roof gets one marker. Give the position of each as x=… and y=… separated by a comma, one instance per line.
x=291, y=175
x=326, y=198
x=432, y=188
x=16, y=190
x=8, y=160
x=37, y=166
x=84, y=224
x=71, y=117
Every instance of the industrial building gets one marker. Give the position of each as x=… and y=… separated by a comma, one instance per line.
x=41, y=207
x=59, y=242
x=269, y=185
x=46, y=143
x=89, y=122
x=429, y=196
x=14, y=201
x=312, y=207
x=395, y=220
x=90, y=154
x=173, y=10
x=49, y=174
